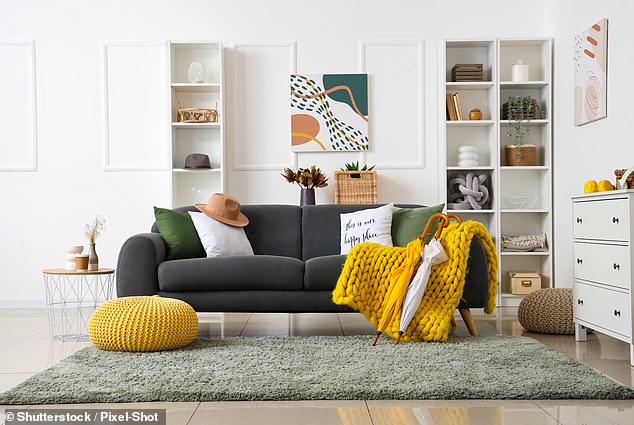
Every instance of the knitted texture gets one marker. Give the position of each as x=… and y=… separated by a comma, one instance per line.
x=367, y=275
x=548, y=311
x=143, y=324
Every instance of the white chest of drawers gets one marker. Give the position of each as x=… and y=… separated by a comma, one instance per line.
x=603, y=232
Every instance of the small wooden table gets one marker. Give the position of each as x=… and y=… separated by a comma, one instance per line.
x=72, y=296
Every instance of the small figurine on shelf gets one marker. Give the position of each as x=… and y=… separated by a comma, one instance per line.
x=92, y=232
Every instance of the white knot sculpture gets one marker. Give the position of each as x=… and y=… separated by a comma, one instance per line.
x=467, y=191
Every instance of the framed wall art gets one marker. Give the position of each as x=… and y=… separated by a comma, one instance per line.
x=591, y=73
x=329, y=112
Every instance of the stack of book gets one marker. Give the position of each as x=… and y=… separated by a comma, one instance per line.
x=453, y=107
x=466, y=72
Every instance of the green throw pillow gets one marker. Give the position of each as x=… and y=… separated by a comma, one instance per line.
x=409, y=223
x=179, y=233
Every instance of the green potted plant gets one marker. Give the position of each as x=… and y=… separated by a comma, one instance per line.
x=519, y=110
x=354, y=166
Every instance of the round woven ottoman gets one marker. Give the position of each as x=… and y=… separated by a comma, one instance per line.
x=143, y=324
x=548, y=311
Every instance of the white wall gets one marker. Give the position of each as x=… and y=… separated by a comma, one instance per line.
x=594, y=150
x=43, y=210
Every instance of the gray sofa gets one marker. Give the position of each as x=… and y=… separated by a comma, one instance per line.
x=295, y=268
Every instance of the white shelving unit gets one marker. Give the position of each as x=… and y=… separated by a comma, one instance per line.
x=489, y=135
x=191, y=186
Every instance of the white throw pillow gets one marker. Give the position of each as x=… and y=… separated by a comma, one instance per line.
x=371, y=225
x=220, y=239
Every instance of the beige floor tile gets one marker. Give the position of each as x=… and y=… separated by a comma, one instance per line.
x=24, y=312
x=22, y=327
x=590, y=412
x=282, y=413
x=10, y=380
x=34, y=355
x=439, y=412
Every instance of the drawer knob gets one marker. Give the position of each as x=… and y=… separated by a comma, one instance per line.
x=579, y=301
x=617, y=313
x=579, y=220
x=615, y=220
x=579, y=261
x=616, y=266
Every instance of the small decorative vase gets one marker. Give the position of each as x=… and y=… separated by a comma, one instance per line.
x=307, y=197
x=93, y=260
x=196, y=72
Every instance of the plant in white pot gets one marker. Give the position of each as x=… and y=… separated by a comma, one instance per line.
x=519, y=110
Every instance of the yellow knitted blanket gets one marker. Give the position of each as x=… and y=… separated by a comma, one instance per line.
x=367, y=274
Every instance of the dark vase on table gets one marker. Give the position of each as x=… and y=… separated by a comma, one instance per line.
x=307, y=197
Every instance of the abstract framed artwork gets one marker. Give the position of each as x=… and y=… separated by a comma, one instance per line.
x=591, y=77
x=329, y=112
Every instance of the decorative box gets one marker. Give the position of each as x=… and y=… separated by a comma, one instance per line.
x=524, y=282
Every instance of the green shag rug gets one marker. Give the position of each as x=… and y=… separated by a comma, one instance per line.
x=320, y=368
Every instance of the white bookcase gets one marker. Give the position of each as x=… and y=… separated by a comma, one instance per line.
x=191, y=186
x=532, y=183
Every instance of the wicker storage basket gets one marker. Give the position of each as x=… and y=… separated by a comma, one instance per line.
x=193, y=115
x=630, y=178
x=527, y=155
x=355, y=187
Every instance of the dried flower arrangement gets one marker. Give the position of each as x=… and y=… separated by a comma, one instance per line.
x=306, y=178
x=94, y=230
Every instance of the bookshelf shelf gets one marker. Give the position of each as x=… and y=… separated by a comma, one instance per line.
x=489, y=135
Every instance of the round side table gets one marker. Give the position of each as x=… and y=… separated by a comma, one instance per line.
x=71, y=297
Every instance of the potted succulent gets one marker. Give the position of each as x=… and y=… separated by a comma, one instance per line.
x=308, y=179
x=354, y=166
x=518, y=111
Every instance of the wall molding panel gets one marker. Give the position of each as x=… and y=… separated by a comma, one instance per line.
x=397, y=103
x=137, y=119
x=259, y=83
x=18, y=106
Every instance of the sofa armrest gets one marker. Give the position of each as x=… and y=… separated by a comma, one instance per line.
x=476, y=288
x=137, y=267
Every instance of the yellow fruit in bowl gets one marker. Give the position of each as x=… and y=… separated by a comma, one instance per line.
x=590, y=186
x=604, y=186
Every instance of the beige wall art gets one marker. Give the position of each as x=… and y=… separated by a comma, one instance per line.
x=591, y=77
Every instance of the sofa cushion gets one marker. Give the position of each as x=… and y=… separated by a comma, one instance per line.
x=237, y=273
x=272, y=229
x=321, y=273
x=321, y=227
x=370, y=225
x=409, y=223
x=179, y=234
x=220, y=239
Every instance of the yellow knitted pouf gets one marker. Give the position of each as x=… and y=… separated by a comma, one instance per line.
x=143, y=324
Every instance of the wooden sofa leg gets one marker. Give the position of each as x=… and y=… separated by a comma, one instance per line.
x=468, y=320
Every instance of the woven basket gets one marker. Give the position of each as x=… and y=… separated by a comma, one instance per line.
x=527, y=155
x=196, y=114
x=355, y=187
x=630, y=178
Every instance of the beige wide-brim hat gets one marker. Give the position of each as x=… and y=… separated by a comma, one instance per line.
x=225, y=209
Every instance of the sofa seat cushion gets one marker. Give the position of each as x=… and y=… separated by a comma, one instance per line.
x=321, y=273
x=234, y=273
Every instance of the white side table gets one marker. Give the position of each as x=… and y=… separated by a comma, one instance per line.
x=71, y=297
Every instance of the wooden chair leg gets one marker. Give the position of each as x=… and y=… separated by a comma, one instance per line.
x=453, y=325
x=465, y=313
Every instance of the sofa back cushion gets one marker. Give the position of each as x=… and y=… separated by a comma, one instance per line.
x=272, y=229
x=321, y=227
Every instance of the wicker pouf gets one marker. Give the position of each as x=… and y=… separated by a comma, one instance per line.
x=548, y=311
x=143, y=324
